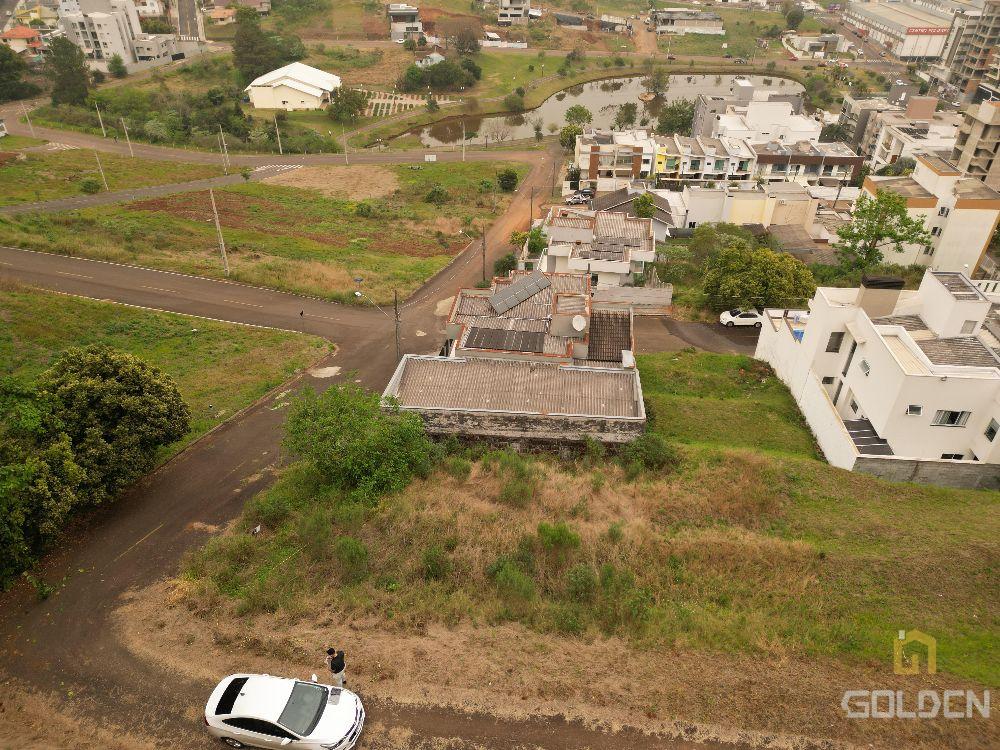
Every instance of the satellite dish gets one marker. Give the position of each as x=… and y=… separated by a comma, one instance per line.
x=579, y=323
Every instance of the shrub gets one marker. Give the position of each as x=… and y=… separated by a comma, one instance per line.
x=513, y=102
x=505, y=264
x=517, y=492
x=353, y=558
x=435, y=564
x=566, y=619
x=507, y=180
x=314, y=532
x=651, y=452
x=437, y=195
x=511, y=581
x=458, y=467
x=558, y=537
x=90, y=186
x=581, y=583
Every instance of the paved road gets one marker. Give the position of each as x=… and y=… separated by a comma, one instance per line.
x=131, y=194
x=187, y=18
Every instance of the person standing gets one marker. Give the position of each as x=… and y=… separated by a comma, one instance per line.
x=335, y=661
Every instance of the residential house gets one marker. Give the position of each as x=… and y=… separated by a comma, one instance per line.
x=294, y=86
x=513, y=12
x=761, y=121
x=37, y=12
x=222, y=16
x=400, y=31
x=609, y=247
x=903, y=385
x=531, y=359
x=402, y=13
x=623, y=200
x=741, y=93
x=23, y=40
x=808, y=163
x=432, y=59
x=960, y=212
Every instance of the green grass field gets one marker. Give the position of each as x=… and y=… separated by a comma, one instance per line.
x=742, y=30
x=287, y=237
x=219, y=368
x=752, y=545
x=60, y=174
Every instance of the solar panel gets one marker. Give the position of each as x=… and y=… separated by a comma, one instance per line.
x=503, y=340
x=518, y=291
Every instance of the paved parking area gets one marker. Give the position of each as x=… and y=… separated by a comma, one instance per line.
x=659, y=333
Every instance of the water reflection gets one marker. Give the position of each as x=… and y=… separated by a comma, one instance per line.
x=602, y=98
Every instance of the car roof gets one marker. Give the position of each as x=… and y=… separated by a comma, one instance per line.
x=263, y=697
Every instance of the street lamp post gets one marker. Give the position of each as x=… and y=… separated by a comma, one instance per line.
x=395, y=306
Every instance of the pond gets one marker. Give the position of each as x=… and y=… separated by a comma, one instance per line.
x=602, y=98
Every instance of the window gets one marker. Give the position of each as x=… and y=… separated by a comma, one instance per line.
x=229, y=695
x=935, y=231
x=865, y=367
x=945, y=418
x=928, y=250
x=304, y=708
x=828, y=380
x=259, y=726
x=968, y=327
x=836, y=339
x=953, y=456
x=854, y=406
x=991, y=430
x=944, y=211
x=914, y=410
x=692, y=224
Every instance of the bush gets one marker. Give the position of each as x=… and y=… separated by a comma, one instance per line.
x=511, y=581
x=558, y=537
x=437, y=195
x=650, y=452
x=505, y=264
x=513, y=102
x=353, y=558
x=507, y=180
x=517, y=492
x=435, y=564
x=581, y=583
x=90, y=186
x=458, y=467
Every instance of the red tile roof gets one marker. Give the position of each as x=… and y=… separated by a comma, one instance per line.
x=19, y=32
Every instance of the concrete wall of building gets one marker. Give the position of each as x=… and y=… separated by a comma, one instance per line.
x=826, y=425
x=960, y=474
x=283, y=97
x=529, y=427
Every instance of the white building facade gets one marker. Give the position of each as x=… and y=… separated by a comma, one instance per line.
x=294, y=86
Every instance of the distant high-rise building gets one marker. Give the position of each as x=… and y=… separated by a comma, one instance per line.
x=978, y=142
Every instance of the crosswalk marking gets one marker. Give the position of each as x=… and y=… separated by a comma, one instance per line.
x=60, y=147
x=276, y=167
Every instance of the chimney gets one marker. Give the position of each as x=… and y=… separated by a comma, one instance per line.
x=878, y=294
x=921, y=107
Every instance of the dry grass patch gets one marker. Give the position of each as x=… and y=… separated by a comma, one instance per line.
x=351, y=182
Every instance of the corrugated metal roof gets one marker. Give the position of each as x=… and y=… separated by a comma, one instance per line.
x=517, y=387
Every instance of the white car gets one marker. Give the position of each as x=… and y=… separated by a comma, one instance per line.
x=738, y=317
x=260, y=710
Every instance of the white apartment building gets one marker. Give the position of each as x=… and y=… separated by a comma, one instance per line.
x=102, y=28
x=901, y=384
x=781, y=203
x=513, y=12
x=961, y=214
x=607, y=246
x=762, y=121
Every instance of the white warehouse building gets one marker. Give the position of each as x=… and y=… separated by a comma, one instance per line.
x=900, y=384
x=294, y=86
x=909, y=31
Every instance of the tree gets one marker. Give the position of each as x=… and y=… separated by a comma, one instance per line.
x=117, y=412
x=625, y=116
x=496, y=129
x=505, y=264
x=902, y=166
x=878, y=224
x=346, y=105
x=513, y=102
x=657, y=81
x=643, y=206
x=567, y=136
x=833, y=132
x=12, y=69
x=472, y=66
x=68, y=72
x=355, y=445
x=431, y=103
x=116, y=66
x=507, y=180
x=676, y=117
x=156, y=26
x=794, y=17
x=254, y=52
x=466, y=41
x=741, y=275
x=578, y=115
x=409, y=45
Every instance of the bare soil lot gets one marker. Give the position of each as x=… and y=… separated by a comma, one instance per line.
x=354, y=183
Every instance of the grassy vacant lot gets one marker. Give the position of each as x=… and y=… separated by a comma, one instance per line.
x=767, y=559
x=13, y=142
x=289, y=237
x=742, y=30
x=219, y=368
x=41, y=176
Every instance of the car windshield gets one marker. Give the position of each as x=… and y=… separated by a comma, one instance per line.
x=304, y=709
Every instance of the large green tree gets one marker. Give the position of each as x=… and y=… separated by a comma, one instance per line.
x=578, y=115
x=347, y=105
x=68, y=72
x=12, y=70
x=657, y=81
x=626, y=115
x=254, y=52
x=117, y=411
x=742, y=275
x=676, y=117
x=794, y=17
x=878, y=224
x=643, y=206
x=567, y=136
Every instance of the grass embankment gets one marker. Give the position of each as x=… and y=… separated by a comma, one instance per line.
x=42, y=176
x=736, y=551
x=372, y=221
x=219, y=368
x=15, y=142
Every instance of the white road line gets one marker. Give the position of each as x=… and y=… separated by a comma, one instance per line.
x=79, y=275
x=158, y=289
x=237, y=302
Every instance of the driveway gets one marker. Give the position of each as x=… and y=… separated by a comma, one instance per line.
x=663, y=334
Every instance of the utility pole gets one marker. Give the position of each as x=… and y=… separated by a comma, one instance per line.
x=127, y=139
x=278, y=134
x=101, y=167
x=343, y=137
x=395, y=308
x=100, y=119
x=222, y=153
x=31, y=128
x=463, y=140
x=218, y=229
x=531, y=208
x=225, y=149
x=484, y=251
